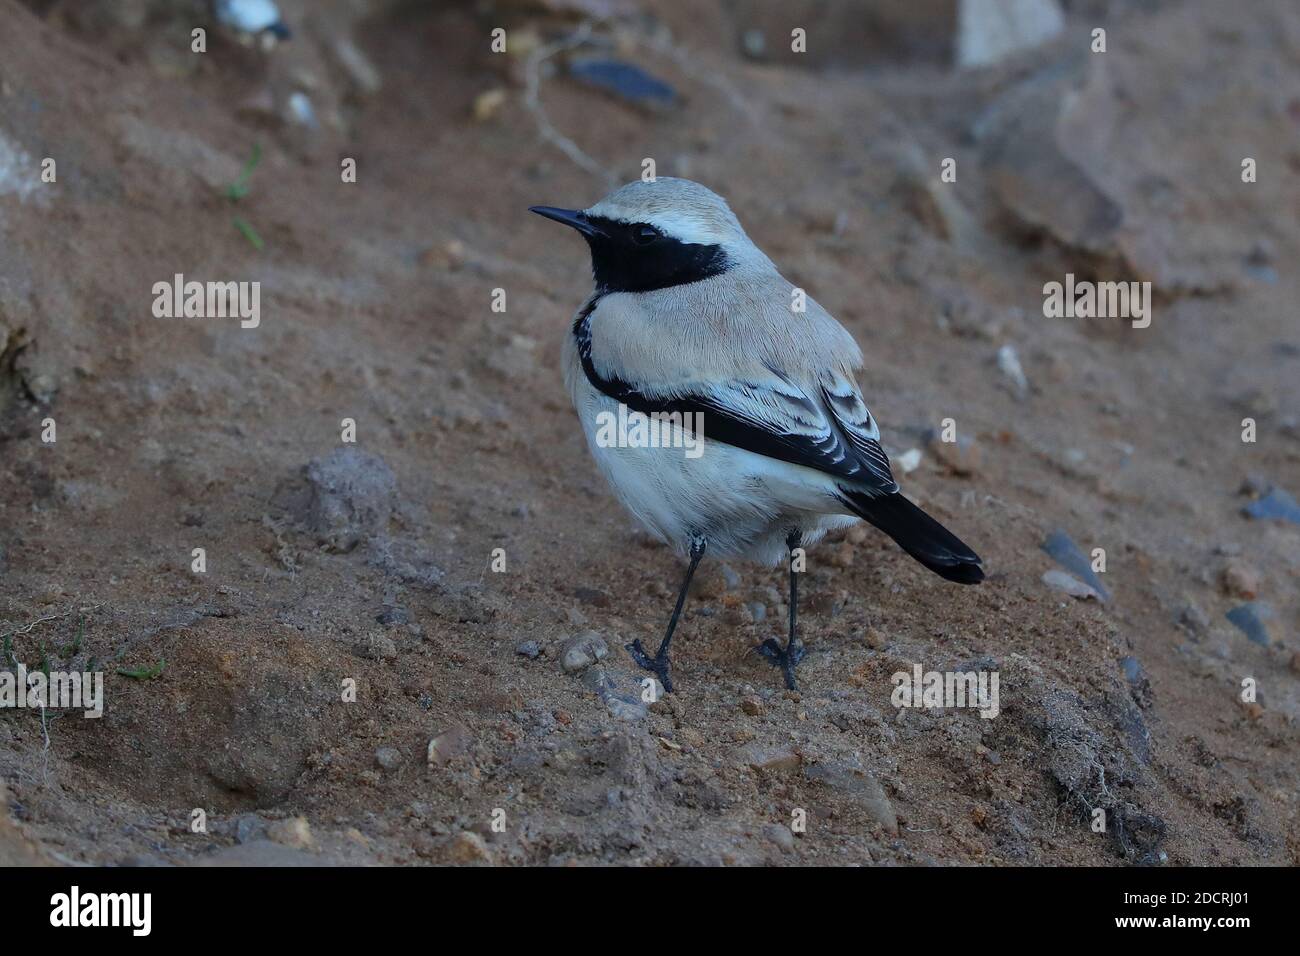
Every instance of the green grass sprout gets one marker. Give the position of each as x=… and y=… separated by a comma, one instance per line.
x=239, y=188
x=143, y=673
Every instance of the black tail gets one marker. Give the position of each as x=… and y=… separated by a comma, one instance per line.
x=919, y=535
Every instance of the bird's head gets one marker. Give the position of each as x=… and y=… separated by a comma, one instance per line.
x=657, y=234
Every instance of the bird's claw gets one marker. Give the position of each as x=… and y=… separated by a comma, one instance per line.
x=658, y=665
x=787, y=658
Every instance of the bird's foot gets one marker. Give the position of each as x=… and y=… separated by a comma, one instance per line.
x=787, y=658
x=658, y=665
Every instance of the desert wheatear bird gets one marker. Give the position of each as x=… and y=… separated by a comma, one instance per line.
x=692, y=327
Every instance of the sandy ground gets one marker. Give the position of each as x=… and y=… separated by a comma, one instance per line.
x=372, y=563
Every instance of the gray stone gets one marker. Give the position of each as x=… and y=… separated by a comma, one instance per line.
x=1062, y=549
x=582, y=651
x=343, y=498
x=377, y=647
x=597, y=681
x=260, y=853
x=393, y=616
x=1193, y=620
x=293, y=832
x=592, y=596
x=781, y=836
x=624, y=80
x=1276, y=504
x=448, y=745
x=248, y=827
x=1250, y=619
x=961, y=457
x=861, y=786
x=769, y=759
x=1011, y=369
x=624, y=707
x=1070, y=585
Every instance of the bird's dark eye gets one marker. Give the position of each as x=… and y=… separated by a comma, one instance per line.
x=644, y=235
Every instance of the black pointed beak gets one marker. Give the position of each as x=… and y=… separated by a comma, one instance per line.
x=570, y=217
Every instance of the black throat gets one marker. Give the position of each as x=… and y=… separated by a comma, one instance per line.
x=620, y=264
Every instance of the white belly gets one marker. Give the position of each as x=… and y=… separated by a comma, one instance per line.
x=742, y=503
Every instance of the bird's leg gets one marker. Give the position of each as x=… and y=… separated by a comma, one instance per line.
x=789, y=657
x=659, y=664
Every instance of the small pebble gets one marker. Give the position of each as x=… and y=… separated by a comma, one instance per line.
x=625, y=708
x=582, y=651
x=487, y=103
x=1240, y=580
x=1249, y=619
x=294, y=832
x=248, y=827
x=301, y=111
x=1061, y=547
x=467, y=847
x=1070, y=585
x=1193, y=620
x=961, y=457
x=781, y=836
x=378, y=647
x=863, y=787
x=769, y=759
x=1009, y=366
x=907, y=463
x=448, y=745
x=597, y=681
x=389, y=758
x=392, y=616
x=1276, y=504
x=592, y=596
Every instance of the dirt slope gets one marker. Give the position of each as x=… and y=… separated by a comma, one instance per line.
x=374, y=564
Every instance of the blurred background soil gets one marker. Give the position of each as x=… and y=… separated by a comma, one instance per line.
x=373, y=562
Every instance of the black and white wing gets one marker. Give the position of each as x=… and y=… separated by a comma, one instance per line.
x=826, y=426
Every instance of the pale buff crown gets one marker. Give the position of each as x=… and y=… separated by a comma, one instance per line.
x=683, y=209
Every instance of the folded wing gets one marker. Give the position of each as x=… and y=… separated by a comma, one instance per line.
x=825, y=426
